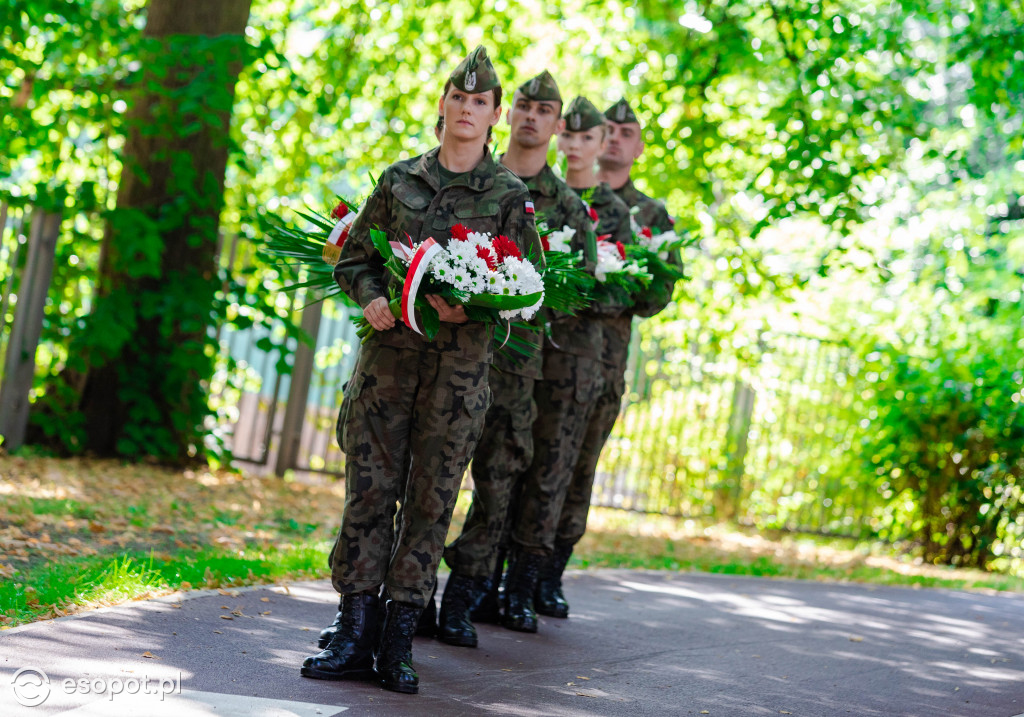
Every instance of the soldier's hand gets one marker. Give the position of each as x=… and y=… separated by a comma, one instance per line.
x=379, y=315
x=452, y=314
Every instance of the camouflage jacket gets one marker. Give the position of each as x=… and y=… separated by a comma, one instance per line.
x=614, y=322
x=649, y=212
x=558, y=207
x=407, y=203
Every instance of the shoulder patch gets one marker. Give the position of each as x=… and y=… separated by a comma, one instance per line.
x=528, y=207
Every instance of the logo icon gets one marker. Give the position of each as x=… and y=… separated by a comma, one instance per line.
x=576, y=120
x=621, y=113
x=31, y=686
x=470, y=81
x=534, y=86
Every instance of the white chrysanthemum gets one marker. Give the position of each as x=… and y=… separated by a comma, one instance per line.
x=608, y=261
x=459, y=251
x=561, y=240
x=495, y=282
x=659, y=241
x=476, y=266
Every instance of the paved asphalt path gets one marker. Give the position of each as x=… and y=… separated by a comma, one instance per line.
x=638, y=643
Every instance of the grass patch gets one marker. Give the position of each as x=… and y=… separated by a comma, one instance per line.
x=619, y=539
x=68, y=586
x=77, y=534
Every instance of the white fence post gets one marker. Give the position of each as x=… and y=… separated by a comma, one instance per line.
x=20, y=362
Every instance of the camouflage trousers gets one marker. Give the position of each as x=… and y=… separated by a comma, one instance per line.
x=408, y=424
x=573, y=522
x=504, y=451
x=565, y=400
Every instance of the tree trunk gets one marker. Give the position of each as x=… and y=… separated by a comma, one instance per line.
x=146, y=349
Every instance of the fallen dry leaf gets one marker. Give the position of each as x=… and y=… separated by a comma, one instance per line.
x=150, y=655
x=856, y=638
x=226, y=617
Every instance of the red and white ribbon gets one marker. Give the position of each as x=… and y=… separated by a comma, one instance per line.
x=417, y=268
x=402, y=251
x=340, y=230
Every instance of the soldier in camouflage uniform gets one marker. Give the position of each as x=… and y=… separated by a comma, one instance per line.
x=505, y=449
x=572, y=383
x=413, y=409
x=624, y=147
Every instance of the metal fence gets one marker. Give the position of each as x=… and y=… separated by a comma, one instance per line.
x=762, y=435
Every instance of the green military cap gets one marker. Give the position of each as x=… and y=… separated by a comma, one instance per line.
x=621, y=112
x=582, y=115
x=475, y=73
x=541, y=88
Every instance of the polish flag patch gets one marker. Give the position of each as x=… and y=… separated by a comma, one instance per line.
x=528, y=206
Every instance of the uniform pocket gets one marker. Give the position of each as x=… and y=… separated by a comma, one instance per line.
x=347, y=437
x=478, y=208
x=588, y=382
x=410, y=196
x=476, y=402
x=524, y=418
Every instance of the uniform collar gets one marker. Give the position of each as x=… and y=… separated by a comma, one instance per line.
x=544, y=182
x=602, y=193
x=480, y=178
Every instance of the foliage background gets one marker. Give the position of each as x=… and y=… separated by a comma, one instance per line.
x=854, y=170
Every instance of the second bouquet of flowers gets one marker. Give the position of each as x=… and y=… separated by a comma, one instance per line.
x=488, y=275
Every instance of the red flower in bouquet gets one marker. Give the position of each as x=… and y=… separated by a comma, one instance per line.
x=505, y=247
x=340, y=211
x=545, y=244
x=646, y=232
x=488, y=257
x=622, y=250
x=460, y=232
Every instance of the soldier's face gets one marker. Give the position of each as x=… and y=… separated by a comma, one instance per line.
x=625, y=144
x=581, y=149
x=533, y=122
x=467, y=116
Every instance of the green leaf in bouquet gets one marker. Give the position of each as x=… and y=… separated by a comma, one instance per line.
x=380, y=243
x=505, y=302
x=429, y=320
x=567, y=287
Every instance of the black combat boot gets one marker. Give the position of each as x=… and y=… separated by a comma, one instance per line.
x=488, y=608
x=549, y=599
x=460, y=595
x=328, y=632
x=348, y=654
x=520, y=585
x=427, y=626
x=394, y=652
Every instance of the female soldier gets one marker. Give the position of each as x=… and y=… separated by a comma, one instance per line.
x=413, y=409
